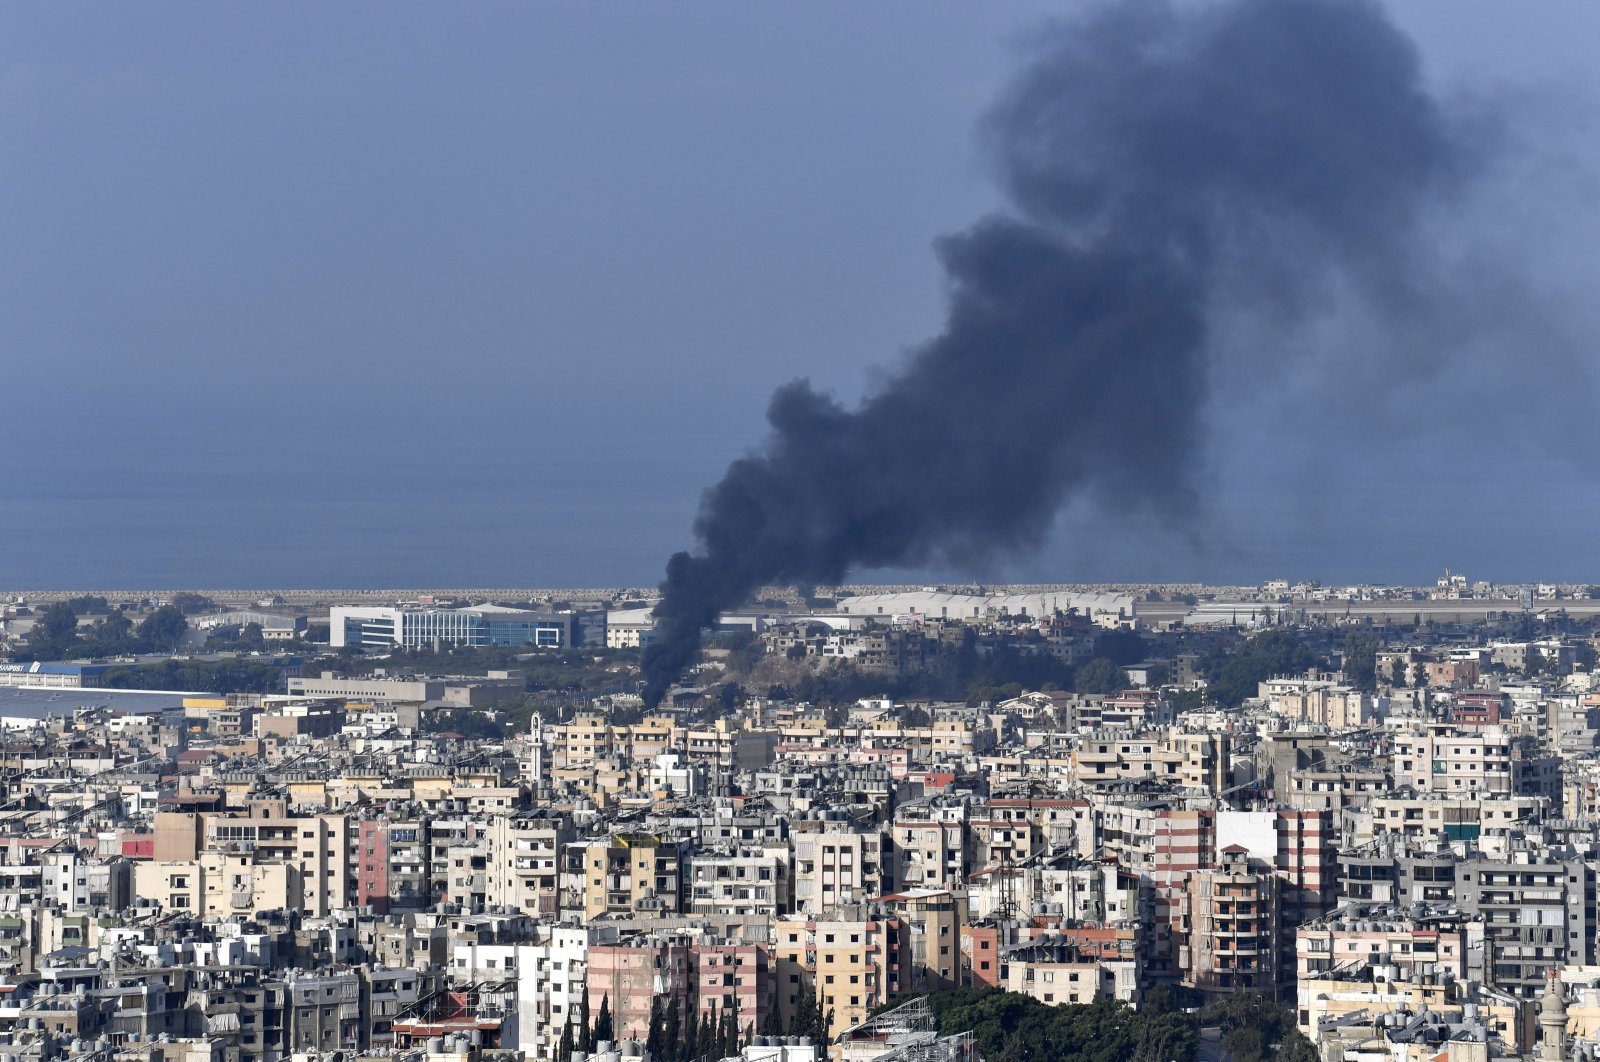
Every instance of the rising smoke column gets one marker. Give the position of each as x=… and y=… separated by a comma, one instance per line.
x=1170, y=171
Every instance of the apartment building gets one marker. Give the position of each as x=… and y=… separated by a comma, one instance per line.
x=1054, y=969
x=928, y=854
x=837, y=866
x=852, y=961
x=1407, y=947
x=522, y=863
x=1449, y=817
x=754, y=882
x=932, y=960
x=1319, y=703
x=1227, y=926
x=630, y=869
x=552, y=980
x=390, y=865
x=1191, y=760
x=1537, y=912
x=1441, y=758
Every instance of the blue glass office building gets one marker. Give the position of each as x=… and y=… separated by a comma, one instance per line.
x=413, y=628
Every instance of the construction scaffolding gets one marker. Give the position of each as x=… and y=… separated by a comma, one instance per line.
x=476, y=1011
x=907, y=1033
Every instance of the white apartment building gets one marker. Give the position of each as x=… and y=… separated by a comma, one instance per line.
x=1439, y=758
x=551, y=980
x=835, y=867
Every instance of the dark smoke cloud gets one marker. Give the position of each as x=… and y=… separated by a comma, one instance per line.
x=1168, y=170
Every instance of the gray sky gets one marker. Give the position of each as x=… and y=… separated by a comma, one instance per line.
x=404, y=294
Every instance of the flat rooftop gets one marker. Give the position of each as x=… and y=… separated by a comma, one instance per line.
x=25, y=703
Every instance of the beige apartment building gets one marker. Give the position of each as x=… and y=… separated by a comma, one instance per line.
x=1448, y=818
x=1193, y=760
x=836, y=866
x=1057, y=970
x=522, y=866
x=928, y=854
x=219, y=884
x=933, y=919
x=1323, y=704
x=1226, y=926
x=1439, y=758
x=631, y=872
x=853, y=963
x=317, y=846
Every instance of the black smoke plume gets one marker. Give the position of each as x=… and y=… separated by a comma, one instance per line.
x=1170, y=171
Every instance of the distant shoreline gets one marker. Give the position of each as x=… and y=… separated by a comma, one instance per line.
x=646, y=593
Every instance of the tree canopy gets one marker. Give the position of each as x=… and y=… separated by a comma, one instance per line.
x=55, y=633
x=1100, y=675
x=1011, y=1027
x=57, y=636
x=163, y=630
x=1360, y=663
x=1233, y=676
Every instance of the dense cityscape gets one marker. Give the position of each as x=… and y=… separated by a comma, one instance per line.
x=725, y=532
x=1285, y=821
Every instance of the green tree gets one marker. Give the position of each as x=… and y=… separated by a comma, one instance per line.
x=772, y=1023
x=246, y=639
x=807, y=1019
x=727, y=1033
x=705, y=1041
x=55, y=633
x=1532, y=662
x=1296, y=1047
x=1419, y=675
x=234, y=675
x=1256, y=1029
x=1244, y=1044
x=1009, y=1027
x=1397, y=672
x=1187, y=700
x=110, y=636
x=1233, y=676
x=189, y=603
x=1360, y=663
x=655, y=1037
x=163, y=629
x=1158, y=999
x=1121, y=646
x=604, y=1032
x=735, y=1027
x=585, y=1030
x=1099, y=675
x=673, y=1029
